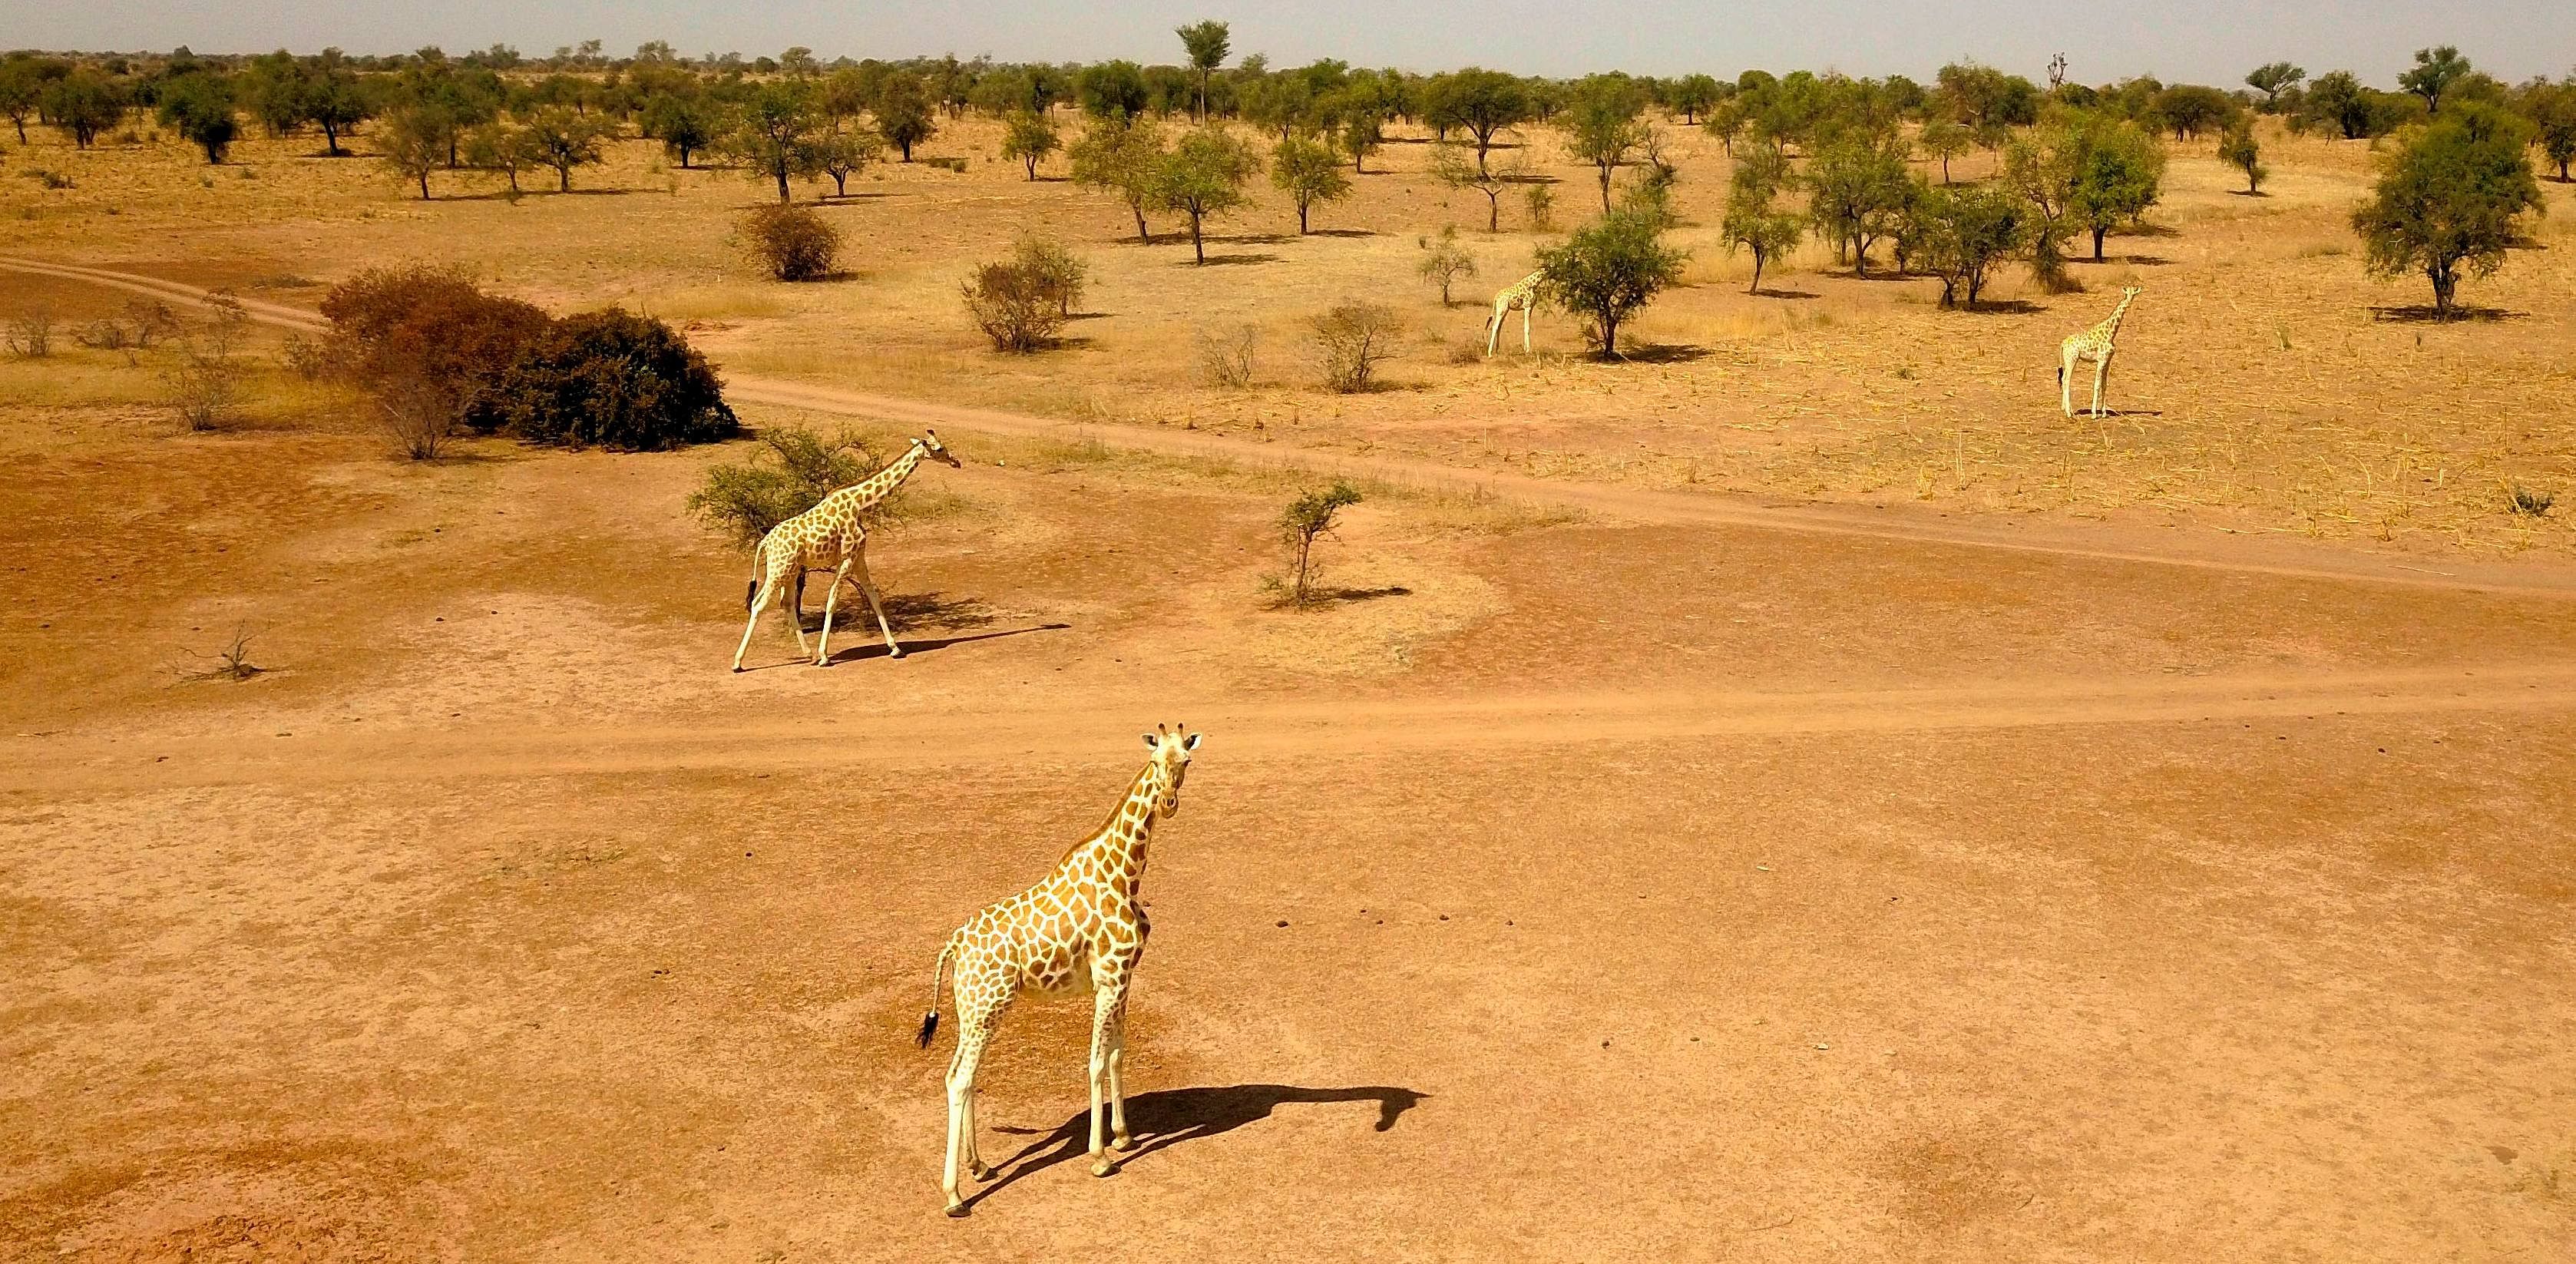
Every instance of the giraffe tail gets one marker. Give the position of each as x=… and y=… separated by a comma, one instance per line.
x=752, y=593
x=930, y=1021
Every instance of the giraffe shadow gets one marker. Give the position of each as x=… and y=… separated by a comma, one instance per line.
x=933, y=644
x=1168, y=1117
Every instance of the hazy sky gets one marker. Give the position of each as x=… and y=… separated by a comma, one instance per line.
x=2213, y=41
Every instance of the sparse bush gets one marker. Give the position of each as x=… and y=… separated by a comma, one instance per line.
x=2237, y=149
x=305, y=358
x=1446, y=263
x=1308, y=519
x=1753, y=223
x=1059, y=270
x=204, y=382
x=30, y=335
x=47, y=177
x=1350, y=340
x=1018, y=306
x=616, y=380
x=792, y=242
x=1225, y=359
x=1542, y=208
x=2527, y=501
x=791, y=472
x=144, y=322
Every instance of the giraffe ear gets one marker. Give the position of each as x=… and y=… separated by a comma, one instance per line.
x=1151, y=743
x=1191, y=743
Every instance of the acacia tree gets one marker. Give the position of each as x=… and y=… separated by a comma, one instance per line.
x=331, y=98
x=83, y=104
x=1961, y=234
x=2119, y=173
x=1449, y=165
x=1482, y=101
x=1603, y=125
x=2190, y=109
x=563, y=139
x=199, y=107
x=1608, y=270
x=904, y=115
x=2237, y=149
x=497, y=146
x=1944, y=139
x=22, y=84
x=2435, y=70
x=686, y=123
x=1203, y=176
x=1029, y=137
x=1124, y=158
x=1692, y=95
x=774, y=134
x=1752, y=222
x=2450, y=201
x=1309, y=173
x=413, y=147
x=1206, y=44
x=2272, y=79
x=843, y=154
x=2551, y=107
x=1363, y=132
x=2338, y=98
x=1856, y=184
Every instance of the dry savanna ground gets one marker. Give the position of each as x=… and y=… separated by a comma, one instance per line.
x=1792, y=795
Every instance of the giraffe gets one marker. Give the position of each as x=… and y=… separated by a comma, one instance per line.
x=830, y=537
x=1081, y=929
x=2095, y=345
x=1521, y=295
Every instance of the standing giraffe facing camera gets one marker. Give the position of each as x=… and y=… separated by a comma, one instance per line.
x=829, y=537
x=1521, y=295
x=1082, y=929
x=2094, y=344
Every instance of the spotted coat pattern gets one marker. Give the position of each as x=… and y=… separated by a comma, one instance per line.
x=2095, y=344
x=829, y=537
x=1082, y=928
x=1520, y=296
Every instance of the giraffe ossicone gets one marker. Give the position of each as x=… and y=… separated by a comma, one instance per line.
x=2095, y=344
x=830, y=537
x=1521, y=295
x=1082, y=928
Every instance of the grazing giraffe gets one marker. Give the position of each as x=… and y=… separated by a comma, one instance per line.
x=1521, y=295
x=2093, y=344
x=1082, y=928
x=829, y=537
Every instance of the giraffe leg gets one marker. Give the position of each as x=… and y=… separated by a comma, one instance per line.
x=974, y=1029
x=868, y=589
x=1494, y=329
x=760, y=603
x=2101, y=369
x=2066, y=362
x=831, y=601
x=1525, y=322
x=1105, y=1000
x=1118, y=1137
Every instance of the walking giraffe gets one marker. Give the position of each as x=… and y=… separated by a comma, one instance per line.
x=1523, y=295
x=829, y=537
x=2094, y=344
x=1082, y=928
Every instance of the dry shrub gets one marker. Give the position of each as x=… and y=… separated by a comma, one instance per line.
x=1350, y=340
x=1225, y=358
x=1055, y=267
x=792, y=242
x=1018, y=306
x=30, y=335
x=204, y=382
x=142, y=323
x=616, y=380
x=394, y=329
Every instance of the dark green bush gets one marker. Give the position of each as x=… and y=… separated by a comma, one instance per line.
x=616, y=380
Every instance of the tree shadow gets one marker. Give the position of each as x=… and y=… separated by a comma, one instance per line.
x=1249, y=239
x=580, y=192
x=2084, y=414
x=1168, y=1117
x=2424, y=314
x=2247, y=193
x=2150, y=230
x=2001, y=307
x=835, y=199
x=2143, y=261
x=1769, y=293
x=1342, y=232
x=1663, y=353
x=1230, y=260
x=1342, y=596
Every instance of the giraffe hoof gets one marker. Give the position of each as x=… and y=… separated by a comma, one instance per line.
x=894, y=651
x=956, y=1211
x=1104, y=1167
x=1122, y=1144
x=982, y=1172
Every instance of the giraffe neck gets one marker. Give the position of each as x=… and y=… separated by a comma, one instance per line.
x=881, y=484
x=2110, y=328
x=1120, y=844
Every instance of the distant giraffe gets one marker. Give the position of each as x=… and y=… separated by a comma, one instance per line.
x=1081, y=929
x=2094, y=344
x=1523, y=295
x=829, y=537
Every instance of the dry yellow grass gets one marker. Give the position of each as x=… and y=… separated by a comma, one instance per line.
x=2259, y=387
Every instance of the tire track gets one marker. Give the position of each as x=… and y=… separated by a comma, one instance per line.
x=2230, y=555
x=947, y=738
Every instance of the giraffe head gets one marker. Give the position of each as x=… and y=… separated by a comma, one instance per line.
x=2129, y=293
x=1171, y=764
x=935, y=450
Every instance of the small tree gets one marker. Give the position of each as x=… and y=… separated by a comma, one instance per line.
x=21, y=87
x=1308, y=173
x=841, y=155
x=83, y=104
x=1017, y=306
x=1608, y=271
x=1961, y=234
x=2551, y=107
x=1363, y=132
x=1753, y=223
x=2338, y=100
x=1602, y=126
x=774, y=134
x=413, y=147
x=499, y=147
x=200, y=108
x=563, y=138
x=791, y=242
x=1856, y=183
x=1310, y=518
x=2237, y=149
x=1206, y=44
x=1484, y=102
x=1945, y=140
x=2272, y=79
x=743, y=501
x=1350, y=339
x=1449, y=165
x=1125, y=159
x=204, y=381
x=686, y=123
x=2450, y=201
x=904, y=113
x=2435, y=70
x=2118, y=173
x=2190, y=109
x=1029, y=138
x=1445, y=263
x=1203, y=176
